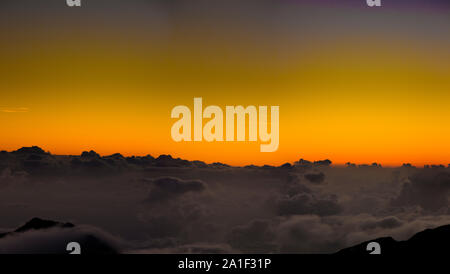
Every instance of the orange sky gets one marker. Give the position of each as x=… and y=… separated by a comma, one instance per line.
x=346, y=96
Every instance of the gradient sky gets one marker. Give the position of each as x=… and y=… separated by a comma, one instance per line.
x=353, y=83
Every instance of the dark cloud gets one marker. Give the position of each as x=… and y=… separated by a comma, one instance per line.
x=8, y=176
x=258, y=236
x=195, y=248
x=306, y=234
x=30, y=151
x=168, y=187
x=323, y=163
x=428, y=188
x=90, y=154
x=388, y=223
x=315, y=177
x=50, y=237
x=305, y=203
x=178, y=186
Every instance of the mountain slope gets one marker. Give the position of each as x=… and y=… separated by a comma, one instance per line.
x=430, y=241
x=50, y=237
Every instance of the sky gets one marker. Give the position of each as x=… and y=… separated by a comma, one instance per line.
x=353, y=83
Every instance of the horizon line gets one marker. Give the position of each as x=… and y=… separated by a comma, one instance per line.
x=293, y=163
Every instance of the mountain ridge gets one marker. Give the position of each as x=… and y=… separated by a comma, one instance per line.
x=429, y=241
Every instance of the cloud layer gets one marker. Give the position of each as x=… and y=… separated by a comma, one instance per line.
x=168, y=205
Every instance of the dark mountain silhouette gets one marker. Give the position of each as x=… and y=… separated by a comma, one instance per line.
x=37, y=224
x=428, y=242
x=90, y=243
x=31, y=150
x=35, y=161
x=90, y=154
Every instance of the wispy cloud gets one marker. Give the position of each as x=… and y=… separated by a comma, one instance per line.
x=14, y=109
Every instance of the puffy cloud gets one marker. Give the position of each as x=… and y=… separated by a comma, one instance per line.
x=316, y=234
x=306, y=234
x=258, y=236
x=165, y=188
x=53, y=240
x=428, y=188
